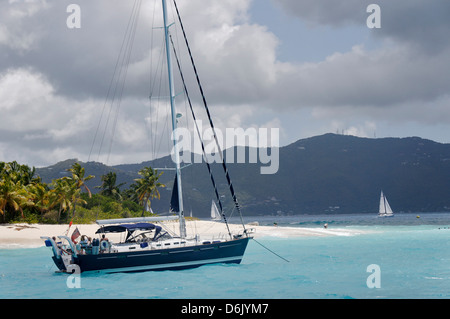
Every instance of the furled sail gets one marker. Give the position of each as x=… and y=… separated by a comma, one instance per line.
x=174, y=206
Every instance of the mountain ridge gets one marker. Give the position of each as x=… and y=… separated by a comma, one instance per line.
x=328, y=173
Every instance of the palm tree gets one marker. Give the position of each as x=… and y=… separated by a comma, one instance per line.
x=11, y=195
x=78, y=181
x=63, y=194
x=78, y=177
x=28, y=175
x=109, y=187
x=147, y=186
x=19, y=187
x=20, y=173
x=43, y=198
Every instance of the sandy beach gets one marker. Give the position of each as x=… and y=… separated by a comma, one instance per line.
x=28, y=235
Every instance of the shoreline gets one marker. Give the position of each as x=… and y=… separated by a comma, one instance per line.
x=28, y=235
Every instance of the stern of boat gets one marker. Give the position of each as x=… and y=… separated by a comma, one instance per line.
x=63, y=254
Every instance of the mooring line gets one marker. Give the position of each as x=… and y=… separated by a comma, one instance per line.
x=270, y=250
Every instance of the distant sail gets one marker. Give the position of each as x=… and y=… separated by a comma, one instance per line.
x=215, y=215
x=385, y=209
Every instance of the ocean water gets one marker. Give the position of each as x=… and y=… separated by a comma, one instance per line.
x=412, y=255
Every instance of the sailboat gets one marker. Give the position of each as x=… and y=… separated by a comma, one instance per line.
x=215, y=215
x=385, y=209
x=147, y=246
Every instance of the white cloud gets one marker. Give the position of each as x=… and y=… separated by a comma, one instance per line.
x=14, y=32
x=22, y=95
x=53, y=81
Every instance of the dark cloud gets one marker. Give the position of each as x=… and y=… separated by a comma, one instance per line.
x=327, y=12
x=420, y=23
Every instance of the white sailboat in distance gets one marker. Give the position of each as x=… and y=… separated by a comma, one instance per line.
x=385, y=209
x=215, y=215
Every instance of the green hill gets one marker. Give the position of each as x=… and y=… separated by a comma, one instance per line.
x=323, y=174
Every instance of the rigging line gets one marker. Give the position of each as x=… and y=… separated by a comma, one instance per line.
x=108, y=93
x=119, y=58
x=200, y=138
x=148, y=123
x=177, y=40
x=233, y=194
x=162, y=87
x=126, y=64
x=151, y=48
x=127, y=58
x=164, y=130
x=270, y=250
x=157, y=86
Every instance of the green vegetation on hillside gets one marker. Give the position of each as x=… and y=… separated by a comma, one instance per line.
x=25, y=198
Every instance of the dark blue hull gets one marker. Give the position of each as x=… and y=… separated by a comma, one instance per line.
x=165, y=259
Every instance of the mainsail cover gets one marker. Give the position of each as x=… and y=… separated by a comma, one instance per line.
x=174, y=204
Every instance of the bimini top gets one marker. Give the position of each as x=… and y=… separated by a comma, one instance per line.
x=127, y=227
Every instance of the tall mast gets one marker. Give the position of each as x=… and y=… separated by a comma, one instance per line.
x=174, y=121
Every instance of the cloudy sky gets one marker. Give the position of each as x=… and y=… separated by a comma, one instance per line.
x=307, y=67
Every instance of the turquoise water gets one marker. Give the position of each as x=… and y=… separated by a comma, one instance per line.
x=413, y=260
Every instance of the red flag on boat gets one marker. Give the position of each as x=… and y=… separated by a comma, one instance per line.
x=75, y=234
x=68, y=228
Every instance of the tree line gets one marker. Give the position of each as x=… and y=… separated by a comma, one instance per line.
x=25, y=198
